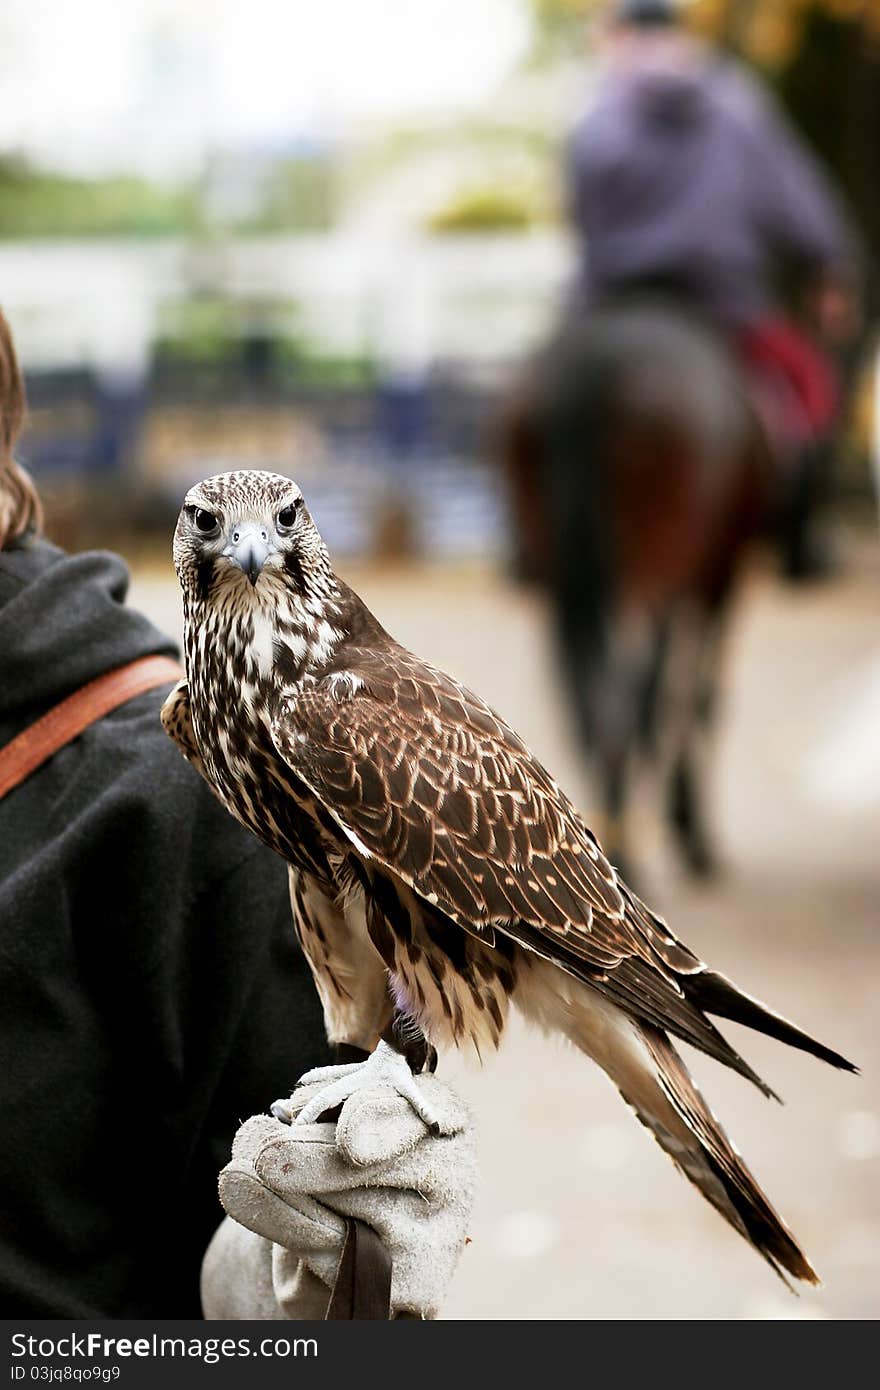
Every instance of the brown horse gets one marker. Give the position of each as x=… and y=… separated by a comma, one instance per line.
x=637, y=474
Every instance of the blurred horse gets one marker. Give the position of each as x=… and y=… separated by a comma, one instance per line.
x=637, y=475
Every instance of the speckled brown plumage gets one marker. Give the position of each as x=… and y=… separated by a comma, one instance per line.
x=437, y=869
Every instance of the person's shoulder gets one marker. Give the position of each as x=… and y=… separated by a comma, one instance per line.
x=736, y=95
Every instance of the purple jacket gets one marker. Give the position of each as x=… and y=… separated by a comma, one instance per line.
x=686, y=172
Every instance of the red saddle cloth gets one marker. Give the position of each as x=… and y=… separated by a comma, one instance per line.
x=793, y=383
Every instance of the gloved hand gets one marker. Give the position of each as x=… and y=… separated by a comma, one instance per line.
x=292, y=1186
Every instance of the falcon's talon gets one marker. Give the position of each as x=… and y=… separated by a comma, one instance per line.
x=386, y=1068
x=281, y=1111
x=335, y=1072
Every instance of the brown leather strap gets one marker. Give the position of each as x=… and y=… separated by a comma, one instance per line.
x=66, y=720
x=362, y=1288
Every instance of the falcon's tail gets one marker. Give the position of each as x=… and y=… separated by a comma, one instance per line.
x=715, y=994
x=713, y=1165
x=654, y=1081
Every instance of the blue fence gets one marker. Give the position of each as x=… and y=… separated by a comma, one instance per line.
x=424, y=441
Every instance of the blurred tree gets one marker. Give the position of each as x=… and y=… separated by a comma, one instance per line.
x=36, y=203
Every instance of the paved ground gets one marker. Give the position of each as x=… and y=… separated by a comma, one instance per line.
x=579, y=1215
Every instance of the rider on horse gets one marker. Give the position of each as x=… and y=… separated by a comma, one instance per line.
x=685, y=179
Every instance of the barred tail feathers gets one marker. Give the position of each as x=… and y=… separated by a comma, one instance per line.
x=652, y=1078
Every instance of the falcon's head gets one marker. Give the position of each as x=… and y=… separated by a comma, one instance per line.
x=250, y=534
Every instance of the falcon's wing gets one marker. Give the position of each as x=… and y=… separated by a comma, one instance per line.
x=421, y=775
x=177, y=723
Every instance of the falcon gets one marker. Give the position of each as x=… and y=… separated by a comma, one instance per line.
x=438, y=873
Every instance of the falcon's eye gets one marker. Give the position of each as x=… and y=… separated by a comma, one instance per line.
x=205, y=521
x=287, y=516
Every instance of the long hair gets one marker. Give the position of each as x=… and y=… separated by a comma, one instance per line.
x=20, y=507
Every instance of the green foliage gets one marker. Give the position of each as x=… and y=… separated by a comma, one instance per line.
x=559, y=24
x=312, y=367
x=203, y=330
x=485, y=210
x=38, y=204
x=230, y=339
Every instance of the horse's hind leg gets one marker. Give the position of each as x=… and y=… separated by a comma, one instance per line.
x=686, y=803
x=651, y=694
x=615, y=774
x=608, y=686
x=688, y=818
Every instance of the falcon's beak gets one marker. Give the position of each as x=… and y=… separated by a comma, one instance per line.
x=249, y=549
